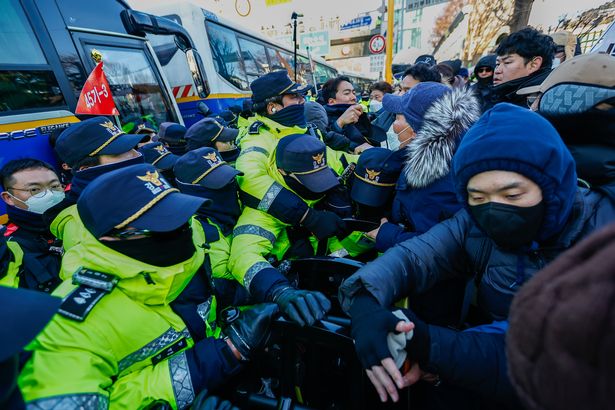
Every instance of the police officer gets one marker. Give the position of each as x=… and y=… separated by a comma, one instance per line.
x=31, y=187
x=91, y=148
x=172, y=135
x=210, y=133
x=300, y=164
x=119, y=340
x=158, y=155
x=205, y=174
x=278, y=106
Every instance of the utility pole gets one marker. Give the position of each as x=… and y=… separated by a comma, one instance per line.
x=388, y=62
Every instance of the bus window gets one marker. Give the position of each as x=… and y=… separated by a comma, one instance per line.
x=254, y=58
x=304, y=73
x=135, y=88
x=26, y=80
x=225, y=53
x=281, y=60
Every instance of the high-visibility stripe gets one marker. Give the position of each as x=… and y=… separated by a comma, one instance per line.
x=36, y=123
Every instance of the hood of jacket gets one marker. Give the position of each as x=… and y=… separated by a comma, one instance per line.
x=430, y=153
x=515, y=139
x=148, y=284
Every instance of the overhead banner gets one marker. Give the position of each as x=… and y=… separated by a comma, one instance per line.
x=270, y=3
x=95, y=97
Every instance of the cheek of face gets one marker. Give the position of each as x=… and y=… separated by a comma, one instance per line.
x=399, y=124
x=112, y=159
x=511, y=68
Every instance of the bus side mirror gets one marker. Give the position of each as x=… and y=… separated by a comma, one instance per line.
x=203, y=109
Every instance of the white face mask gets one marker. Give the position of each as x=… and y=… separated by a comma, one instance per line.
x=375, y=105
x=556, y=63
x=42, y=201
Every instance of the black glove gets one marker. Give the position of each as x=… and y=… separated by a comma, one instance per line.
x=419, y=347
x=301, y=306
x=205, y=402
x=249, y=330
x=370, y=324
x=324, y=224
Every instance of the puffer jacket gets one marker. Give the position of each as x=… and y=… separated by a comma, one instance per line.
x=425, y=192
x=476, y=359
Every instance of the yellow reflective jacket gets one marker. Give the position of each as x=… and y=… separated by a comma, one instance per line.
x=11, y=279
x=106, y=360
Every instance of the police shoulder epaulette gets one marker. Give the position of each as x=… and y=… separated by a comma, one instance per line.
x=93, y=285
x=255, y=127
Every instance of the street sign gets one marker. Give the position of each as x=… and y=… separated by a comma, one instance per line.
x=318, y=41
x=377, y=44
x=357, y=22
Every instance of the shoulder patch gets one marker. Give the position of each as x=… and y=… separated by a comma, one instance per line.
x=255, y=127
x=92, y=287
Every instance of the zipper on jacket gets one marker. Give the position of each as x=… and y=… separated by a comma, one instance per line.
x=148, y=278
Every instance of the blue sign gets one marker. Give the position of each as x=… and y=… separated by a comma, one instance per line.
x=357, y=22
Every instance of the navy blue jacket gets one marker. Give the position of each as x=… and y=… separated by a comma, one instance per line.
x=506, y=138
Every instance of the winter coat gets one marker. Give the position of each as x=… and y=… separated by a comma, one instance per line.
x=425, y=192
x=507, y=92
x=358, y=133
x=476, y=360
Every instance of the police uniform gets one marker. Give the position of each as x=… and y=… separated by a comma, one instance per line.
x=94, y=136
x=118, y=340
x=11, y=258
x=203, y=172
x=259, y=237
x=259, y=190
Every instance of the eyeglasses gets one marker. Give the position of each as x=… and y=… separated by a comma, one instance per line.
x=485, y=70
x=130, y=232
x=37, y=190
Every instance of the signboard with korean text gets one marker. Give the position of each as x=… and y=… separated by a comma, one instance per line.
x=318, y=41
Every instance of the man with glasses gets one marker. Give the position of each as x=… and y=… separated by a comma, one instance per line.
x=484, y=80
x=524, y=59
x=30, y=188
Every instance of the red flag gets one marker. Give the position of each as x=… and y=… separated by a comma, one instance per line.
x=96, y=98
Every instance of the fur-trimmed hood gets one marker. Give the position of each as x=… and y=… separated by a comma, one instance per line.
x=430, y=153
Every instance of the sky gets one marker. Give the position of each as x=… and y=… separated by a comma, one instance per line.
x=261, y=14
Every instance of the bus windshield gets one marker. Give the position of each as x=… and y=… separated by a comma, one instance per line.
x=136, y=90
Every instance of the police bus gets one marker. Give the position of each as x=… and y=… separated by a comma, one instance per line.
x=232, y=57
x=47, y=54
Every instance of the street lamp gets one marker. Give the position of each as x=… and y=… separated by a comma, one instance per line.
x=294, y=18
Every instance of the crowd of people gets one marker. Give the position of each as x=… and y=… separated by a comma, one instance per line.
x=471, y=205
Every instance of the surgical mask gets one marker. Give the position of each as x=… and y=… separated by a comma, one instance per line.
x=556, y=63
x=404, y=140
x=42, y=201
x=509, y=226
x=375, y=105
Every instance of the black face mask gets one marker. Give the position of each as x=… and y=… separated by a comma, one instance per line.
x=293, y=115
x=301, y=189
x=230, y=155
x=509, y=226
x=225, y=208
x=160, y=249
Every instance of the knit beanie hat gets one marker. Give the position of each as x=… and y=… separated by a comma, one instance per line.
x=515, y=139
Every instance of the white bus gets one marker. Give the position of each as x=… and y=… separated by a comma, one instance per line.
x=232, y=58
